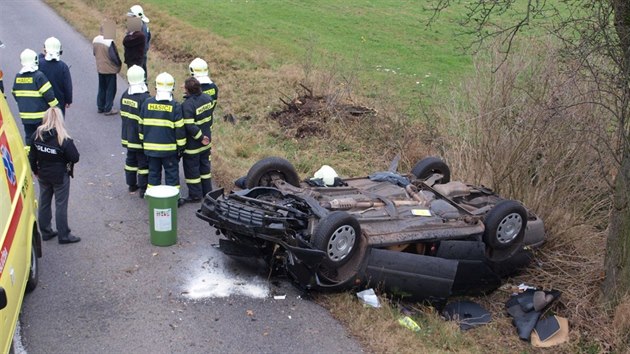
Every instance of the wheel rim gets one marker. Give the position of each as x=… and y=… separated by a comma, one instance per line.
x=341, y=243
x=509, y=228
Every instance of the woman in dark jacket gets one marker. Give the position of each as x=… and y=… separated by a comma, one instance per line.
x=52, y=157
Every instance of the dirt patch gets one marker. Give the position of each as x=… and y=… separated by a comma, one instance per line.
x=308, y=115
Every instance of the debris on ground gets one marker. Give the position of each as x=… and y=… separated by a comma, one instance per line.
x=368, y=297
x=527, y=308
x=308, y=114
x=409, y=323
x=467, y=313
x=550, y=331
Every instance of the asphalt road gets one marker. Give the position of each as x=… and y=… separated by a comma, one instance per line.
x=114, y=292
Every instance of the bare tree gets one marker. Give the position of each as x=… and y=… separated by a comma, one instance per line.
x=595, y=38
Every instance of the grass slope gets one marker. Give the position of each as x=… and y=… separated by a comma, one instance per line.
x=385, y=40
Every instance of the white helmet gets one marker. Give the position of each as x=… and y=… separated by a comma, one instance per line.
x=137, y=11
x=164, y=82
x=135, y=75
x=327, y=174
x=29, y=58
x=198, y=67
x=53, y=49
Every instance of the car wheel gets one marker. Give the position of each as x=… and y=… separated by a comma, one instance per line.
x=505, y=224
x=265, y=171
x=337, y=234
x=33, y=274
x=430, y=165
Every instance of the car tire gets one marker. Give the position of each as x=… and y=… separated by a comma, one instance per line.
x=430, y=165
x=33, y=274
x=263, y=172
x=505, y=225
x=337, y=234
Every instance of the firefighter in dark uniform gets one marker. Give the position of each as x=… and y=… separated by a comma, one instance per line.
x=199, y=69
x=33, y=93
x=162, y=133
x=136, y=167
x=197, y=112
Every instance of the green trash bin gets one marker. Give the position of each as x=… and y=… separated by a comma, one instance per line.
x=163, y=214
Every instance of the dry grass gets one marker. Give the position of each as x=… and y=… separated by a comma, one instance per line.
x=518, y=131
x=379, y=330
x=621, y=323
x=524, y=132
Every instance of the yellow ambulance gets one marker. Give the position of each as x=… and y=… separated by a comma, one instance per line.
x=20, y=243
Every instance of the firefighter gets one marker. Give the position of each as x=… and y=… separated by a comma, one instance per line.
x=57, y=72
x=33, y=93
x=197, y=112
x=136, y=168
x=162, y=132
x=199, y=69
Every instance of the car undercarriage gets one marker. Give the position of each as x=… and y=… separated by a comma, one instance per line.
x=418, y=235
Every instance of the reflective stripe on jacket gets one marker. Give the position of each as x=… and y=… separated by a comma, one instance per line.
x=212, y=90
x=130, y=106
x=197, y=112
x=161, y=128
x=34, y=95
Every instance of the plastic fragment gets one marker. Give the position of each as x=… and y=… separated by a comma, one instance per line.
x=409, y=323
x=368, y=297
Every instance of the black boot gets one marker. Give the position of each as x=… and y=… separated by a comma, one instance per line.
x=49, y=236
x=70, y=239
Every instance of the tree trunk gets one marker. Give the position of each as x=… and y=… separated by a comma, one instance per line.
x=617, y=281
x=617, y=263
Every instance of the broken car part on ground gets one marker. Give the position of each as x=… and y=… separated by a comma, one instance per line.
x=417, y=235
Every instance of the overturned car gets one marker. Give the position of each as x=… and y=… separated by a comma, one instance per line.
x=418, y=235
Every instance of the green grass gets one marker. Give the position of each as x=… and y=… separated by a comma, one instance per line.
x=385, y=42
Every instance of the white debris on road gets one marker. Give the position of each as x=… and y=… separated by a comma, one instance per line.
x=217, y=280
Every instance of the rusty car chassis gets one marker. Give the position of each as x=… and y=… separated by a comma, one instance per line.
x=418, y=235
